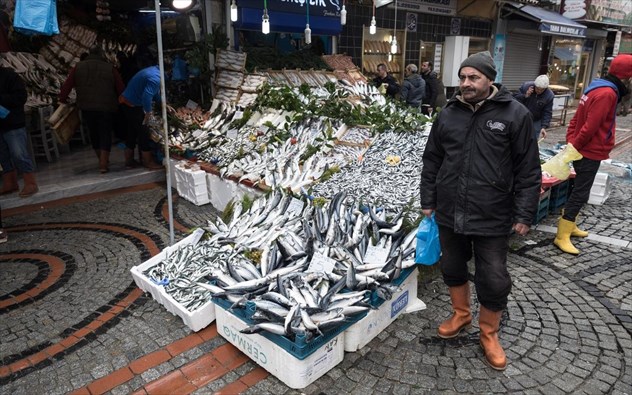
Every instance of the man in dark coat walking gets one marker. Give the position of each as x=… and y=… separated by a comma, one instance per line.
x=435, y=91
x=414, y=88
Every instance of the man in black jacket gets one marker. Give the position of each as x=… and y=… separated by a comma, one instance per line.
x=13, y=136
x=383, y=78
x=481, y=176
x=435, y=91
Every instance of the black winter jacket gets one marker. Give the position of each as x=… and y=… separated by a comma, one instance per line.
x=413, y=90
x=13, y=98
x=435, y=91
x=481, y=169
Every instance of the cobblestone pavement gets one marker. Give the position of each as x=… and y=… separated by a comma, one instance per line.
x=72, y=319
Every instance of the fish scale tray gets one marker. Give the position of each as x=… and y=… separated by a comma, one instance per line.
x=298, y=351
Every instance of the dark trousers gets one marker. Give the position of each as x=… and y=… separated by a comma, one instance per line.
x=585, y=170
x=137, y=133
x=491, y=277
x=100, y=124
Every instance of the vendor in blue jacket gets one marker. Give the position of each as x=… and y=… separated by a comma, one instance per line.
x=142, y=89
x=538, y=98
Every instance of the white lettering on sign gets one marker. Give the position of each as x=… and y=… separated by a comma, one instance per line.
x=312, y=3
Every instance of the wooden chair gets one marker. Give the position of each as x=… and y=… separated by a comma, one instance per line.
x=42, y=139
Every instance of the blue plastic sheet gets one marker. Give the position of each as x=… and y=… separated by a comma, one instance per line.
x=428, y=249
x=36, y=17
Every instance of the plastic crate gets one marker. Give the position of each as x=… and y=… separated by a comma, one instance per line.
x=404, y=300
x=559, y=195
x=293, y=372
x=299, y=350
x=543, y=206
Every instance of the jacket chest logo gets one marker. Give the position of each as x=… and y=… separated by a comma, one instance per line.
x=495, y=126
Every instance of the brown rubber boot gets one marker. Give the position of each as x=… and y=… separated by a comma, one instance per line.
x=104, y=161
x=461, y=317
x=30, y=185
x=9, y=182
x=148, y=161
x=98, y=152
x=489, y=322
x=130, y=163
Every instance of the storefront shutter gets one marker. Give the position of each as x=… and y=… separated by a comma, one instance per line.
x=522, y=60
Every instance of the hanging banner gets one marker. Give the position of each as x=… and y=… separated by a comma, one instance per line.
x=438, y=7
x=499, y=55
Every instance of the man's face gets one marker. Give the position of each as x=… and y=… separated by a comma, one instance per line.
x=381, y=71
x=474, y=85
x=539, y=91
x=425, y=68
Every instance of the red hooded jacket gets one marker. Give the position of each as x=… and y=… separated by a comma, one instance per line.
x=592, y=129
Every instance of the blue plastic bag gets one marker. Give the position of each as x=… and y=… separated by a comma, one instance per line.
x=36, y=17
x=179, y=71
x=428, y=249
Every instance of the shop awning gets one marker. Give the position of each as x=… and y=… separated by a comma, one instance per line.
x=550, y=22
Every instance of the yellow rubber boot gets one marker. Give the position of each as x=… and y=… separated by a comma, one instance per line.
x=563, y=237
x=462, y=317
x=576, y=231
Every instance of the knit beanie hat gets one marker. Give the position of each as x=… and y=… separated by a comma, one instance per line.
x=542, y=81
x=621, y=67
x=483, y=62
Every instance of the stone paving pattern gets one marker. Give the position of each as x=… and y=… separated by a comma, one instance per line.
x=567, y=329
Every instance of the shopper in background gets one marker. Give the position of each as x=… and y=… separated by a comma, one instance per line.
x=385, y=80
x=413, y=88
x=142, y=89
x=13, y=137
x=592, y=133
x=481, y=177
x=98, y=85
x=538, y=98
x=435, y=91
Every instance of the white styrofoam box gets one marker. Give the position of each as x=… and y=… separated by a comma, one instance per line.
x=600, y=190
x=293, y=372
x=404, y=300
x=222, y=191
x=195, y=320
x=191, y=185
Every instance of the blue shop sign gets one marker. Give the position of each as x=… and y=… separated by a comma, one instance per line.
x=552, y=28
x=330, y=8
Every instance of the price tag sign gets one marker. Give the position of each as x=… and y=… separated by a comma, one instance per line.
x=232, y=134
x=321, y=264
x=376, y=255
x=238, y=115
x=191, y=105
x=296, y=206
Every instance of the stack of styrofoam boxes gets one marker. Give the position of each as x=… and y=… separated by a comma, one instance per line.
x=221, y=191
x=600, y=190
x=295, y=365
x=195, y=320
x=404, y=300
x=191, y=184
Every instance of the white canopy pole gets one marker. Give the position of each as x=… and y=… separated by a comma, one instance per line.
x=165, y=126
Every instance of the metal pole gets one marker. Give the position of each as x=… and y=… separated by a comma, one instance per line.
x=165, y=126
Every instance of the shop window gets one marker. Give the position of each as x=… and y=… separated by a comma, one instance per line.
x=566, y=64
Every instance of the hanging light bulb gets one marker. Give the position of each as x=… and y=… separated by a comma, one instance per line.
x=343, y=15
x=394, y=45
x=265, y=22
x=373, y=27
x=394, y=41
x=233, y=11
x=390, y=57
x=308, y=34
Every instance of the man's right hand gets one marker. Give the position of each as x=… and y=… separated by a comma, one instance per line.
x=428, y=212
x=529, y=91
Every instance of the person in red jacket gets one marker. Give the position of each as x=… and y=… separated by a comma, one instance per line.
x=591, y=131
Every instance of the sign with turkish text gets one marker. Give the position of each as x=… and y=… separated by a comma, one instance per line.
x=554, y=28
x=438, y=7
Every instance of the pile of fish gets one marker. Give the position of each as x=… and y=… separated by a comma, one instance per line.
x=304, y=267
x=40, y=77
x=388, y=174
